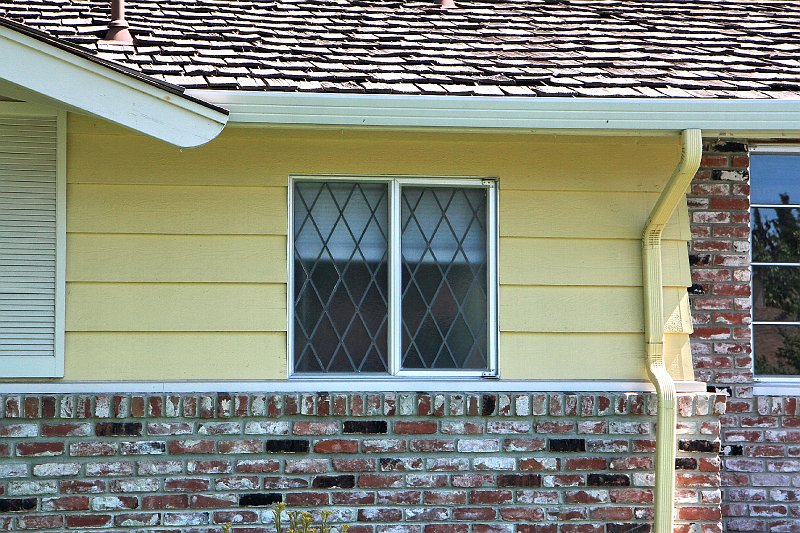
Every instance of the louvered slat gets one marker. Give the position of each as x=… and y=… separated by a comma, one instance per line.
x=27, y=236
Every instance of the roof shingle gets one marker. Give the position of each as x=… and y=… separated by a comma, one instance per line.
x=580, y=48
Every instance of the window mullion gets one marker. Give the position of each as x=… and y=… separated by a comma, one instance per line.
x=395, y=277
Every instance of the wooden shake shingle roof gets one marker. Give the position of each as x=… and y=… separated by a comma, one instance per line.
x=570, y=48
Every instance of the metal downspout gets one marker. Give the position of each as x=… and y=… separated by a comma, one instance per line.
x=675, y=190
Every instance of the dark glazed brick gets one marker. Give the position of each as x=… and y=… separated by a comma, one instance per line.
x=329, y=482
x=117, y=429
x=699, y=445
x=696, y=288
x=567, y=445
x=728, y=146
x=15, y=505
x=519, y=480
x=288, y=446
x=259, y=499
x=685, y=463
x=488, y=404
x=608, y=480
x=699, y=259
x=732, y=450
x=717, y=174
x=366, y=426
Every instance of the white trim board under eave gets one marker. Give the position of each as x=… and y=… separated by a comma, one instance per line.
x=616, y=116
x=340, y=385
x=60, y=77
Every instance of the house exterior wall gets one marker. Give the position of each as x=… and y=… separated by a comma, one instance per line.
x=761, y=470
x=383, y=463
x=178, y=256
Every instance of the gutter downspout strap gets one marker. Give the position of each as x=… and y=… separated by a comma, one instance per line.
x=675, y=190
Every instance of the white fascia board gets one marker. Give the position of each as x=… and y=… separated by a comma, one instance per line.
x=340, y=385
x=724, y=118
x=88, y=87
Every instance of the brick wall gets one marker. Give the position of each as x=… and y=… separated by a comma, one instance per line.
x=386, y=463
x=760, y=435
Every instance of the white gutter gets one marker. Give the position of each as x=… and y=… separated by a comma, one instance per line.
x=635, y=116
x=675, y=190
x=45, y=73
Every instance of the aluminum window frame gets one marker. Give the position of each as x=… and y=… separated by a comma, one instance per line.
x=394, y=183
x=768, y=383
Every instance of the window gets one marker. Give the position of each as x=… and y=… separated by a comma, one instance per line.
x=775, y=248
x=393, y=276
x=31, y=242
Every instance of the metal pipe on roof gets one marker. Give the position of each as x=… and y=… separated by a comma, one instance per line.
x=118, y=27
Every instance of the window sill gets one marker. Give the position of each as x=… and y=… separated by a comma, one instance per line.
x=776, y=386
x=342, y=385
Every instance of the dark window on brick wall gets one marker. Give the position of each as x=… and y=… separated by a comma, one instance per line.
x=775, y=252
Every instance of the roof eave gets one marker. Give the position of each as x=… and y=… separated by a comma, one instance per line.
x=57, y=75
x=615, y=116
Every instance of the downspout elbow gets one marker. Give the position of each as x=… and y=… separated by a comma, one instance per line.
x=691, y=150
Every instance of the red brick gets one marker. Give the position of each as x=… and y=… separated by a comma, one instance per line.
x=240, y=446
x=40, y=522
x=611, y=513
x=474, y=513
x=492, y=497
x=88, y=521
x=699, y=513
x=414, y=428
x=379, y=480
x=187, y=484
x=26, y=449
x=447, y=528
x=336, y=446
x=315, y=428
x=172, y=501
x=190, y=446
x=306, y=498
x=355, y=465
x=69, y=429
x=522, y=514
x=66, y=503
x=380, y=515
x=212, y=501
x=585, y=463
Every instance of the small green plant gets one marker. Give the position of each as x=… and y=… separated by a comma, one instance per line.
x=302, y=522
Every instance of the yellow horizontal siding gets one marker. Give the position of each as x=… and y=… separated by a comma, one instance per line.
x=578, y=309
x=176, y=209
x=174, y=356
x=599, y=215
x=257, y=157
x=177, y=258
x=534, y=261
x=176, y=307
x=572, y=356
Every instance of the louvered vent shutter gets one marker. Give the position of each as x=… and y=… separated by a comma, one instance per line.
x=28, y=235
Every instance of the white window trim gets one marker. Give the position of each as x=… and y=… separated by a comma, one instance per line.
x=394, y=183
x=764, y=384
x=47, y=366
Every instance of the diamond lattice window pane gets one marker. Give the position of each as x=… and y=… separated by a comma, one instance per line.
x=444, y=278
x=341, y=277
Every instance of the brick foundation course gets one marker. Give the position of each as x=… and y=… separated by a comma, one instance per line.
x=760, y=434
x=384, y=463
